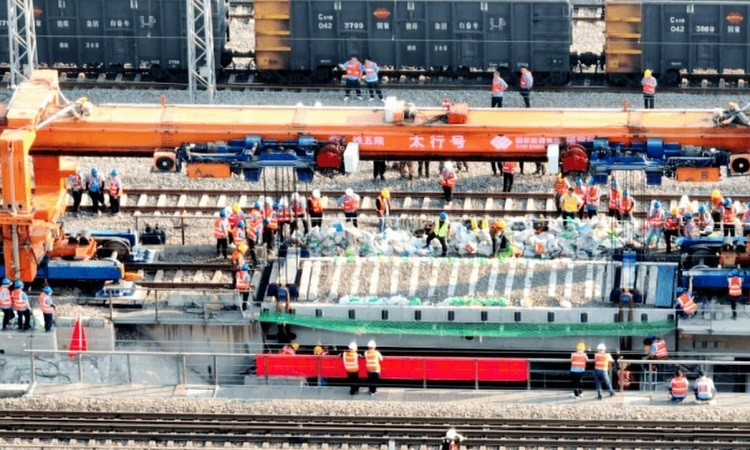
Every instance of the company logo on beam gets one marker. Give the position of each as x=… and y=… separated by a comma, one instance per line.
x=734, y=18
x=501, y=142
x=381, y=13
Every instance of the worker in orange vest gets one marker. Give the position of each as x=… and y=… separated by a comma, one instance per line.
x=285, y=218
x=114, y=189
x=717, y=202
x=271, y=227
x=6, y=305
x=703, y=221
x=735, y=290
x=21, y=306
x=315, y=209
x=289, y=349
x=452, y=440
x=678, y=387
x=624, y=377
x=592, y=198
x=351, y=365
x=657, y=348
x=353, y=70
x=625, y=206
x=239, y=236
x=686, y=303
x=349, y=203
x=508, y=168
x=746, y=221
x=580, y=191
x=238, y=257
x=76, y=186
x=614, y=199
x=498, y=88
x=373, y=358
x=649, y=89
x=498, y=238
x=527, y=83
x=221, y=233
x=655, y=225
x=242, y=284
x=602, y=362
x=235, y=217
x=47, y=306
x=383, y=209
x=728, y=217
x=561, y=187
x=578, y=362
x=672, y=227
x=448, y=181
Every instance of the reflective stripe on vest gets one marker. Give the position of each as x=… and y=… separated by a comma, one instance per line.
x=114, y=188
x=578, y=361
x=661, y=349
x=679, y=387
x=45, y=303
x=702, y=386
x=349, y=204
x=383, y=206
x=242, y=280
x=5, y=297
x=19, y=300
x=614, y=198
x=239, y=237
x=350, y=361
x=561, y=186
x=371, y=73
x=527, y=83
x=625, y=205
x=298, y=208
x=728, y=214
x=353, y=70
x=656, y=218
x=735, y=286
x=601, y=361
x=77, y=183
x=672, y=222
x=686, y=303
x=440, y=231
x=592, y=195
x=372, y=360
x=235, y=218
x=649, y=85
x=448, y=178
x=497, y=86
x=509, y=166
x=220, y=228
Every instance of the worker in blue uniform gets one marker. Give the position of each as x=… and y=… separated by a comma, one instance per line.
x=95, y=188
x=370, y=69
x=527, y=83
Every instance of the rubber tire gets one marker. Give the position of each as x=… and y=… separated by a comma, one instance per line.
x=165, y=164
x=740, y=165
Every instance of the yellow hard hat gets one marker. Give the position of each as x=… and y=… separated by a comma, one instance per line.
x=295, y=345
x=500, y=223
x=647, y=73
x=559, y=175
x=385, y=193
x=715, y=193
x=674, y=211
x=581, y=347
x=733, y=105
x=236, y=207
x=242, y=248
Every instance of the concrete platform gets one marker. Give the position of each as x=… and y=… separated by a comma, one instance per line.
x=338, y=393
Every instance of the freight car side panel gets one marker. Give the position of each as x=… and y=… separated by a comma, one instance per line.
x=706, y=36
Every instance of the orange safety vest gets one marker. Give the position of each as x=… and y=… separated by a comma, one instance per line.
x=5, y=298
x=614, y=198
x=448, y=178
x=661, y=349
x=285, y=214
x=288, y=350
x=114, y=188
x=656, y=218
x=649, y=85
x=298, y=208
x=497, y=85
x=221, y=225
x=735, y=286
x=601, y=361
x=717, y=202
x=19, y=300
x=239, y=237
x=672, y=222
x=728, y=214
x=372, y=360
x=527, y=84
x=237, y=259
x=509, y=166
x=686, y=303
x=578, y=361
x=679, y=387
x=354, y=70
x=316, y=206
x=385, y=206
x=350, y=204
x=45, y=303
x=625, y=205
x=370, y=69
x=561, y=186
x=592, y=195
x=273, y=222
x=580, y=192
x=351, y=363
x=701, y=386
x=77, y=184
x=242, y=283
x=235, y=218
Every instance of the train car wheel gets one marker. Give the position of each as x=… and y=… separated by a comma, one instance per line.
x=704, y=257
x=121, y=246
x=164, y=162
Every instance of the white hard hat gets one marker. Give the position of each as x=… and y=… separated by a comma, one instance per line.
x=269, y=200
x=371, y=344
x=451, y=433
x=316, y=193
x=283, y=201
x=448, y=165
x=353, y=346
x=349, y=192
x=601, y=347
x=295, y=196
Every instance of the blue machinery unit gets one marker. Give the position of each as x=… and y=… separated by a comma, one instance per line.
x=249, y=156
x=654, y=157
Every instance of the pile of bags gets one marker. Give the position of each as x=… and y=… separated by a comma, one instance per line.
x=529, y=237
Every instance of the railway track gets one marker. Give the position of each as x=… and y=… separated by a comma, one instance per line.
x=179, y=202
x=180, y=275
x=260, y=431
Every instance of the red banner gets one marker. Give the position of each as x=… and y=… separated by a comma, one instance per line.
x=398, y=367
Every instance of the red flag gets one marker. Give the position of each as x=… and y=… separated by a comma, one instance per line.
x=78, y=339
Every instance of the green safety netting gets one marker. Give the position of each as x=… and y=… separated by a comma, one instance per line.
x=357, y=326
